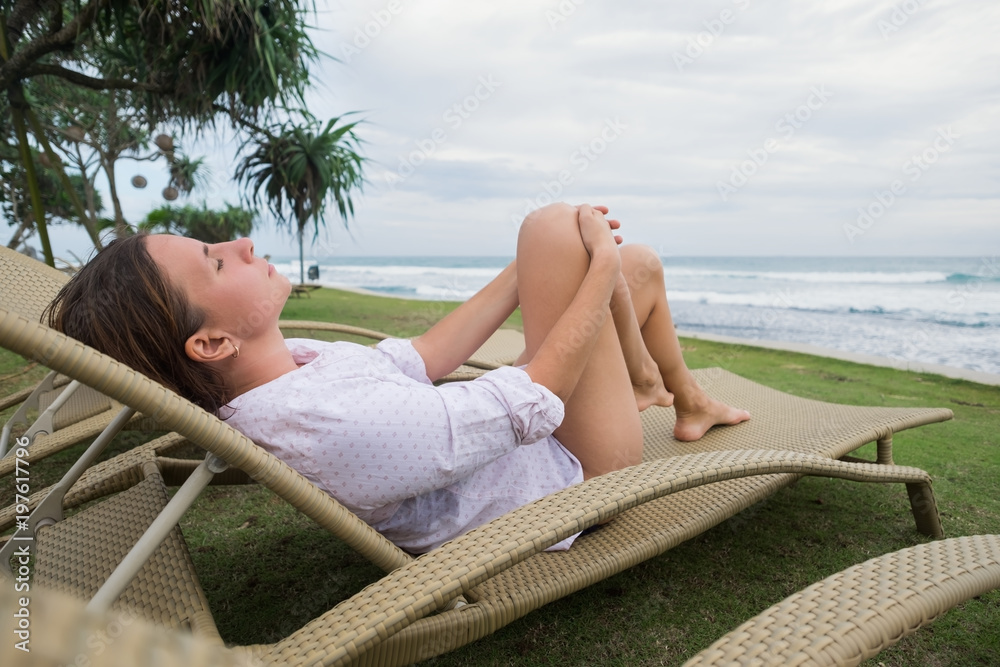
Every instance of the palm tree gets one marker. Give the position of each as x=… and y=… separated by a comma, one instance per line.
x=304, y=167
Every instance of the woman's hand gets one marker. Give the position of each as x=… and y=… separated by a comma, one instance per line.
x=612, y=223
x=596, y=232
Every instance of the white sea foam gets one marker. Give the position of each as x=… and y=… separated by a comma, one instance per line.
x=841, y=277
x=932, y=310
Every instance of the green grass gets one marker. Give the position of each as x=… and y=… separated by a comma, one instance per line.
x=268, y=570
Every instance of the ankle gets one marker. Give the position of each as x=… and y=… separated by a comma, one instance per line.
x=689, y=396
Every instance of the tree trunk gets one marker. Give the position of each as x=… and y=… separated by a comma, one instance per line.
x=16, y=239
x=90, y=221
x=121, y=228
x=302, y=260
x=16, y=97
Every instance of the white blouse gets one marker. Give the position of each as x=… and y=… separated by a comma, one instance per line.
x=420, y=463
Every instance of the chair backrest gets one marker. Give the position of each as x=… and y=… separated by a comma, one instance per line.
x=28, y=285
x=63, y=354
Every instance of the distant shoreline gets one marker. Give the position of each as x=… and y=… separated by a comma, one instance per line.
x=954, y=372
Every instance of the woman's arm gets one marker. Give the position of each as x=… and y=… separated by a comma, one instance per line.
x=447, y=344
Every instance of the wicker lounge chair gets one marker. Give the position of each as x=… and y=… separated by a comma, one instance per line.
x=676, y=494
x=855, y=614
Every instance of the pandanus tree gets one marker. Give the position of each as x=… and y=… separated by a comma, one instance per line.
x=187, y=66
x=298, y=170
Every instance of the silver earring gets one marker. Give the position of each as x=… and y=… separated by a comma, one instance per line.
x=237, y=352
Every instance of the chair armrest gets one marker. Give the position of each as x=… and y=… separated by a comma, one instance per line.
x=855, y=614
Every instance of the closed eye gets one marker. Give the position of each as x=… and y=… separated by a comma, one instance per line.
x=220, y=264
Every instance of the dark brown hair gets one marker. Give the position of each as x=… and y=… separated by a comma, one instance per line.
x=120, y=304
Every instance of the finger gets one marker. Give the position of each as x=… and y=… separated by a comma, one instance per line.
x=602, y=209
x=618, y=239
x=615, y=224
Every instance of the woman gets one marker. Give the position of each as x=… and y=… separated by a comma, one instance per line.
x=421, y=464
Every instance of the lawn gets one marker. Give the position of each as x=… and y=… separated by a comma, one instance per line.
x=267, y=570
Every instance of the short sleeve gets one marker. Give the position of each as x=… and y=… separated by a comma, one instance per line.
x=534, y=410
x=404, y=356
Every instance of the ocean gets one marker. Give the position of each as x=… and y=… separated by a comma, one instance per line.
x=917, y=309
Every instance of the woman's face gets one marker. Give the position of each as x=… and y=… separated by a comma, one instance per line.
x=238, y=292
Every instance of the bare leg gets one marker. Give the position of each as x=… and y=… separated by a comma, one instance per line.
x=696, y=412
x=647, y=382
x=601, y=427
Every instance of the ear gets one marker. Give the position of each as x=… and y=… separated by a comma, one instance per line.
x=207, y=345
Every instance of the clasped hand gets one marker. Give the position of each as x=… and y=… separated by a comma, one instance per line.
x=594, y=228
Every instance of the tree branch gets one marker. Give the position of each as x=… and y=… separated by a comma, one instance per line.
x=239, y=120
x=19, y=61
x=81, y=79
x=20, y=16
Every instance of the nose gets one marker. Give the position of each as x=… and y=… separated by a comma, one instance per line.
x=244, y=247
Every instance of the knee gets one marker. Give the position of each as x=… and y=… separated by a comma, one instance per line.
x=558, y=214
x=641, y=265
x=552, y=227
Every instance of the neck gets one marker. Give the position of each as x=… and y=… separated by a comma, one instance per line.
x=262, y=359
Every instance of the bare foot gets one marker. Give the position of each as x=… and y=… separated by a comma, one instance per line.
x=694, y=420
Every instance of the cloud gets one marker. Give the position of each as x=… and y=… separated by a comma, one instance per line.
x=701, y=88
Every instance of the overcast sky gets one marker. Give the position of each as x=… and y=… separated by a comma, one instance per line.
x=731, y=127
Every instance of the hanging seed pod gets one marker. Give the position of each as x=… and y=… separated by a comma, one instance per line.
x=43, y=158
x=75, y=132
x=170, y=193
x=139, y=181
x=164, y=142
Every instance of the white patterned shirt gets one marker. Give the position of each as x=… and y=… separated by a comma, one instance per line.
x=420, y=463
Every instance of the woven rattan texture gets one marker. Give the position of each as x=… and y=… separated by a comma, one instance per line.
x=352, y=628
x=84, y=402
x=635, y=536
x=76, y=556
x=101, y=479
x=503, y=347
x=857, y=613
x=28, y=285
x=781, y=421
